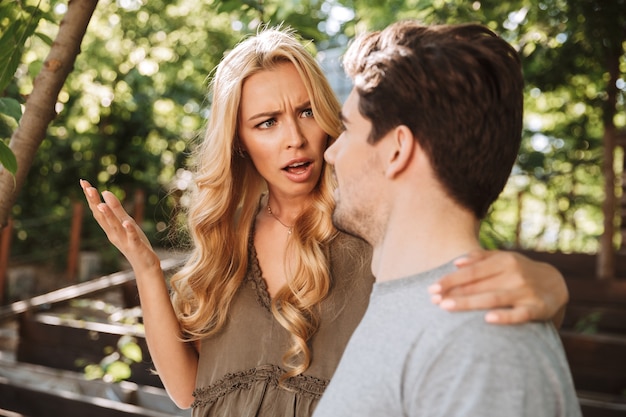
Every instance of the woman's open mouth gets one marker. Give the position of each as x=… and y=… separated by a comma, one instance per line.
x=298, y=167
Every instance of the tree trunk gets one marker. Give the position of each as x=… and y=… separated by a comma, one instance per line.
x=620, y=141
x=605, y=268
x=40, y=105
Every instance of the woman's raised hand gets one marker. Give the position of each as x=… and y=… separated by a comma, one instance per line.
x=120, y=228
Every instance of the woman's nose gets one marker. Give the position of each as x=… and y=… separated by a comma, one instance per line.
x=295, y=135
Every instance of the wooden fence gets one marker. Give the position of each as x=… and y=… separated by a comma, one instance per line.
x=74, y=247
x=46, y=380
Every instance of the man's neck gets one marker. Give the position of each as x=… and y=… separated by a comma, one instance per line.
x=419, y=240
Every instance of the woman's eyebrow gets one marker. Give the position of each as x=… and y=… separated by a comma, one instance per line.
x=304, y=106
x=274, y=113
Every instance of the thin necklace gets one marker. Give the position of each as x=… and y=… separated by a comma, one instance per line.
x=269, y=210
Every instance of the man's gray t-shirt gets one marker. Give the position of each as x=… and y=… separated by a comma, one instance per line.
x=408, y=357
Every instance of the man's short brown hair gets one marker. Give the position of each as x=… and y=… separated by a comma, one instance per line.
x=459, y=88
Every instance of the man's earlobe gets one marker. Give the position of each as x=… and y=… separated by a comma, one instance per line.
x=401, y=152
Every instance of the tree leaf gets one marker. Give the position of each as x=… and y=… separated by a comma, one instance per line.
x=7, y=158
x=10, y=53
x=11, y=108
x=132, y=351
x=118, y=371
x=227, y=6
x=93, y=371
x=44, y=38
x=12, y=45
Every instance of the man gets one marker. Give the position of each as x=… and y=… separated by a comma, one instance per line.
x=432, y=129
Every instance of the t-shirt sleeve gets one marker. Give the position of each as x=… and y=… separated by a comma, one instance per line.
x=486, y=370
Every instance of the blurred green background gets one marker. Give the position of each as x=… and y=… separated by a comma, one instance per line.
x=130, y=111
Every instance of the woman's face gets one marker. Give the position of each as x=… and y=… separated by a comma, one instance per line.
x=278, y=130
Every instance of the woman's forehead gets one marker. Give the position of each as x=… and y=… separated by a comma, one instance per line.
x=273, y=90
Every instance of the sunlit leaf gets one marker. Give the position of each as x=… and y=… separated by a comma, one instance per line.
x=11, y=108
x=119, y=371
x=49, y=16
x=93, y=371
x=44, y=38
x=227, y=6
x=12, y=44
x=132, y=351
x=7, y=158
x=10, y=54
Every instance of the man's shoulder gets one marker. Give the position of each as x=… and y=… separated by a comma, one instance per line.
x=474, y=346
x=471, y=328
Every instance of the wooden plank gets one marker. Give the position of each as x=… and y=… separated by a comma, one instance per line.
x=607, y=292
x=71, y=344
x=91, y=287
x=577, y=265
x=29, y=381
x=596, y=361
x=595, y=317
x=7, y=413
x=601, y=405
x=30, y=401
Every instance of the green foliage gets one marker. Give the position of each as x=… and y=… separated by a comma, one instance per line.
x=136, y=101
x=589, y=323
x=556, y=192
x=9, y=108
x=116, y=365
x=131, y=110
x=17, y=26
x=7, y=158
x=126, y=117
x=22, y=22
x=553, y=201
x=303, y=16
x=18, y=23
x=117, y=360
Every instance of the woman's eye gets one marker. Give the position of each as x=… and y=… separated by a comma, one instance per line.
x=267, y=124
x=307, y=113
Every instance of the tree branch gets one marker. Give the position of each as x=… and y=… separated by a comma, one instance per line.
x=40, y=105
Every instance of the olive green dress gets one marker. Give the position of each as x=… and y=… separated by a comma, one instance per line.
x=240, y=367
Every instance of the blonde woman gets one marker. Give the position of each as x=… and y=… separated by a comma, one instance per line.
x=261, y=312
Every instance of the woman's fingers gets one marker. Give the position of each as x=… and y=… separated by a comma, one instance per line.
x=515, y=315
x=134, y=234
x=475, y=267
x=523, y=307
x=515, y=288
x=91, y=194
x=120, y=228
x=115, y=206
x=111, y=216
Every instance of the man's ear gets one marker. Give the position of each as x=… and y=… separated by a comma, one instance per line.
x=400, y=151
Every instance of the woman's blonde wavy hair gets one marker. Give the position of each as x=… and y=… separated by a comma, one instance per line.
x=227, y=183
